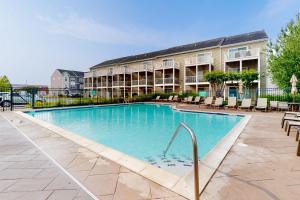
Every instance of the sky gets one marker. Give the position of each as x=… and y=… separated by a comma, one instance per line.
x=36, y=37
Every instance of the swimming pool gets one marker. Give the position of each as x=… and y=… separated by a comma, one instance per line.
x=143, y=130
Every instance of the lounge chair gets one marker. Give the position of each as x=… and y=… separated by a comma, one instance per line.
x=157, y=98
x=290, y=124
x=289, y=118
x=218, y=102
x=231, y=102
x=196, y=100
x=262, y=104
x=190, y=99
x=298, y=149
x=169, y=99
x=273, y=105
x=208, y=101
x=283, y=105
x=175, y=98
x=184, y=100
x=246, y=104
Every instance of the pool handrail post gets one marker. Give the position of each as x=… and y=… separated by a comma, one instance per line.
x=195, y=155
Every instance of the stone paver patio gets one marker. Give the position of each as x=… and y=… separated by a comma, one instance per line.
x=104, y=178
x=261, y=165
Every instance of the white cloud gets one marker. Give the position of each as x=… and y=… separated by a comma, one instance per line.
x=89, y=29
x=276, y=7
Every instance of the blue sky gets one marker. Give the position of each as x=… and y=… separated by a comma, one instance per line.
x=36, y=37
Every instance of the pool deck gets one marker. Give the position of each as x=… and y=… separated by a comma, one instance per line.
x=262, y=164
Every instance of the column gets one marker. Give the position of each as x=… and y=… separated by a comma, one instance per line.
x=163, y=76
x=131, y=85
x=124, y=92
x=146, y=81
x=173, y=79
x=154, y=80
x=184, y=79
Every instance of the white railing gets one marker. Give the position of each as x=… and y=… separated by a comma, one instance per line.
x=134, y=82
x=197, y=60
x=200, y=78
x=242, y=54
x=233, y=69
x=159, y=80
x=190, y=79
x=115, y=83
x=142, y=82
x=142, y=68
x=166, y=65
x=103, y=84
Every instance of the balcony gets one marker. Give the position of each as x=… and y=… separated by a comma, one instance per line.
x=115, y=83
x=159, y=80
x=190, y=79
x=143, y=82
x=198, y=60
x=243, y=54
x=134, y=82
x=233, y=69
x=166, y=66
x=103, y=84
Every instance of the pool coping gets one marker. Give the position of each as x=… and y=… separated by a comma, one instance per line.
x=183, y=185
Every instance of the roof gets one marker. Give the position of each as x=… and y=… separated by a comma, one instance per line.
x=246, y=37
x=71, y=72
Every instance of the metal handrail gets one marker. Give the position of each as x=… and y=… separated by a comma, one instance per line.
x=195, y=154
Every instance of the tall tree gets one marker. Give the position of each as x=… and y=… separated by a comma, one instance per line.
x=4, y=82
x=284, y=55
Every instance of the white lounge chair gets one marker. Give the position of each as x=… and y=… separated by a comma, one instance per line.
x=218, y=102
x=262, y=104
x=157, y=98
x=208, y=101
x=231, y=102
x=196, y=100
x=169, y=99
x=175, y=98
x=246, y=104
x=283, y=105
x=273, y=105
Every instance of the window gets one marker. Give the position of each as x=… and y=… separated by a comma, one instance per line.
x=204, y=57
x=237, y=52
x=66, y=79
x=233, y=92
x=168, y=62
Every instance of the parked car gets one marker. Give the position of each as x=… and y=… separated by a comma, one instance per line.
x=18, y=99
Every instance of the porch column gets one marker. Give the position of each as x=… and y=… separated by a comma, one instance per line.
x=173, y=79
x=197, y=79
x=146, y=81
x=154, y=80
x=184, y=79
x=124, y=92
x=258, y=69
x=131, y=85
x=163, y=80
x=138, y=83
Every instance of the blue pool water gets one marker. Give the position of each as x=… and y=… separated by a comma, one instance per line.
x=143, y=130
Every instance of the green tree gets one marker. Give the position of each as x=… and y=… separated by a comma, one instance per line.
x=4, y=82
x=248, y=78
x=284, y=55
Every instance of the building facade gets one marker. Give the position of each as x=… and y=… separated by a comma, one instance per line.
x=181, y=68
x=67, y=82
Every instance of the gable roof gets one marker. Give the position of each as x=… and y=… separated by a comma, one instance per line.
x=71, y=72
x=218, y=42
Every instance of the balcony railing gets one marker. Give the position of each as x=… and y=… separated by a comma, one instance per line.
x=233, y=69
x=134, y=82
x=143, y=82
x=190, y=79
x=198, y=60
x=115, y=83
x=242, y=54
x=103, y=84
x=166, y=65
x=159, y=80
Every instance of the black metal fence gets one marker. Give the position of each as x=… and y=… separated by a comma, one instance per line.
x=22, y=97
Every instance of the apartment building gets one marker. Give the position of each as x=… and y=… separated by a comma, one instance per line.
x=181, y=68
x=67, y=82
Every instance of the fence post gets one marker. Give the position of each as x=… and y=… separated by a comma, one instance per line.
x=32, y=98
x=11, y=99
